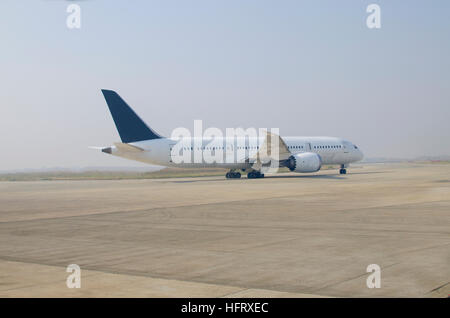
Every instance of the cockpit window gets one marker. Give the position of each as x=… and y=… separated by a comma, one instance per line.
x=355, y=147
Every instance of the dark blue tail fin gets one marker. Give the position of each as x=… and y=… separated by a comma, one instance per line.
x=130, y=127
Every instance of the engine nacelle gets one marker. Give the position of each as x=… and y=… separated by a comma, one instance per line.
x=304, y=162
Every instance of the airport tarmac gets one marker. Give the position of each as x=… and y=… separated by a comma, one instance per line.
x=287, y=235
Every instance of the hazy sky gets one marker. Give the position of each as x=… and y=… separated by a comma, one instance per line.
x=307, y=67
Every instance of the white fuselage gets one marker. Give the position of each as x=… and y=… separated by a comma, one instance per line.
x=332, y=150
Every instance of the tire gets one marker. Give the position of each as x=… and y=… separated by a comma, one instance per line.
x=255, y=175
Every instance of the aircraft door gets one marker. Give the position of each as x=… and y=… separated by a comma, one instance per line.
x=308, y=146
x=170, y=151
x=346, y=147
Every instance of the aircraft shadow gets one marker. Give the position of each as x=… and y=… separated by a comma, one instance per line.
x=320, y=176
x=281, y=176
x=370, y=172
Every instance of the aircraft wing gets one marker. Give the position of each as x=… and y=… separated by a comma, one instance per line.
x=271, y=152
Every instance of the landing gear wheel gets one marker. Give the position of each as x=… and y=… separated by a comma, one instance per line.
x=233, y=175
x=255, y=174
x=342, y=171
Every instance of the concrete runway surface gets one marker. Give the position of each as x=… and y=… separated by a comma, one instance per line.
x=288, y=235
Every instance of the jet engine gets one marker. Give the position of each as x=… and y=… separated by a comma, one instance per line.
x=304, y=162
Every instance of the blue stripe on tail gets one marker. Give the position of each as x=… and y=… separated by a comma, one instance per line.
x=131, y=128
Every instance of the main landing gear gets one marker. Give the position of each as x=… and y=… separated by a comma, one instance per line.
x=342, y=170
x=255, y=174
x=251, y=175
x=233, y=175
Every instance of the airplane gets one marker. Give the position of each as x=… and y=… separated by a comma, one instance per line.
x=251, y=155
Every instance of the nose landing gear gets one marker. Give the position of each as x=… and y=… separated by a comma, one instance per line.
x=342, y=170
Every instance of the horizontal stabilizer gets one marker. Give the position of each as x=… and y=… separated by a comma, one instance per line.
x=127, y=147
